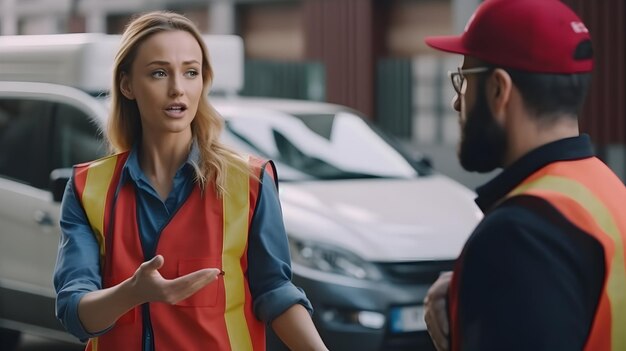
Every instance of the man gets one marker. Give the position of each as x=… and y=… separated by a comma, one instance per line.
x=545, y=268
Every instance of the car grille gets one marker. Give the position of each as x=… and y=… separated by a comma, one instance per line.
x=420, y=272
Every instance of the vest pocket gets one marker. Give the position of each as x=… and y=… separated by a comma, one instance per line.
x=207, y=296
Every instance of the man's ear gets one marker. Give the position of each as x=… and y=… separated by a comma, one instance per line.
x=125, y=86
x=499, y=86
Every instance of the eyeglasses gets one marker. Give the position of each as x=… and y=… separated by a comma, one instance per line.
x=458, y=78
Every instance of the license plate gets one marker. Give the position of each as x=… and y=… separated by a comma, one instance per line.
x=407, y=319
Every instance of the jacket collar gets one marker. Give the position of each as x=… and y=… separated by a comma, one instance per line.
x=561, y=150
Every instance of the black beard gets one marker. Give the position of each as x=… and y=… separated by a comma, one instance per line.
x=483, y=140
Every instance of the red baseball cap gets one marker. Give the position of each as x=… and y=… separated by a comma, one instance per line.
x=542, y=36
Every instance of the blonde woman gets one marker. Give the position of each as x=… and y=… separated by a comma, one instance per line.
x=174, y=242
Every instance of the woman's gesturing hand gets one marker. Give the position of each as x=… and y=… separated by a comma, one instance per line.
x=99, y=309
x=149, y=285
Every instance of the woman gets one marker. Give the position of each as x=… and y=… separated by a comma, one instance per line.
x=174, y=242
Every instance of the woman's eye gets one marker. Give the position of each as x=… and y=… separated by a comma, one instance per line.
x=191, y=73
x=158, y=74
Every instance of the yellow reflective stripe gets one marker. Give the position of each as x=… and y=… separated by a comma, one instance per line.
x=94, y=344
x=97, y=184
x=616, y=284
x=236, y=209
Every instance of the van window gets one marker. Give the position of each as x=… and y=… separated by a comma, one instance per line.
x=38, y=136
x=76, y=139
x=22, y=126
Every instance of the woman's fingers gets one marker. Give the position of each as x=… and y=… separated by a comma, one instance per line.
x=182, y=287
x=151, y=286
x=155, y=263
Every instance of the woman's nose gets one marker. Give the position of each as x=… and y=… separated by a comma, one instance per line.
x=175, y=87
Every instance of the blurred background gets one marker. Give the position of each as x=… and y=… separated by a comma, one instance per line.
x=368, y=55
x=365, y=54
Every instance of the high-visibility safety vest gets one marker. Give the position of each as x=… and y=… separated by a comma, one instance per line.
x=591, y=197
x=205, y=232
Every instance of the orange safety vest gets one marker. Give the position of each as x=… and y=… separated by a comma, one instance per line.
x=206, y=231
x=591, y=197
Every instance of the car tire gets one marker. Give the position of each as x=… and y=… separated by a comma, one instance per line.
x=9, y=339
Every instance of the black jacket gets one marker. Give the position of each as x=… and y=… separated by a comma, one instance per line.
x=531, y=280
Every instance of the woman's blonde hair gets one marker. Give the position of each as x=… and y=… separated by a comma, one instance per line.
x=124, y=124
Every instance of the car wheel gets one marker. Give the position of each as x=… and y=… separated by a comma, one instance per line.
x=9, y=339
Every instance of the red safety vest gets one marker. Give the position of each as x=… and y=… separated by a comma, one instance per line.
x=207, y=231
x=591, y=197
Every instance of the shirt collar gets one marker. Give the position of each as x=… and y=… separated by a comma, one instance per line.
x=561, y=150
x=132, y=170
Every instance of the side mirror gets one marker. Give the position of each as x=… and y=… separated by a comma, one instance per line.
x=58, y=181
x=426, y=161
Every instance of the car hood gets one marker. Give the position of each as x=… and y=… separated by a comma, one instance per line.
x=383, y=220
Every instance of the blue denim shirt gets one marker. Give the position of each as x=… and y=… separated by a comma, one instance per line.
x=78, y=269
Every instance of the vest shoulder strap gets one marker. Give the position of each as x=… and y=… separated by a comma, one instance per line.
x=92, y=182
x=260, y=165
x=587, y=207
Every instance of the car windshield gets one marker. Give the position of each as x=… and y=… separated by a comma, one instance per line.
x=318, y=146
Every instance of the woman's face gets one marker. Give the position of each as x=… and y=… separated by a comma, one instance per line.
x=166, y=82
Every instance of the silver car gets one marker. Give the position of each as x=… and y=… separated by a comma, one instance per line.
x=370, y=226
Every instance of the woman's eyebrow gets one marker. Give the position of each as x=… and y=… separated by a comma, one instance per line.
x=166, y=63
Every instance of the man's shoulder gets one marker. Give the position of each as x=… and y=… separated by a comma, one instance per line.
x=521, y=219
x=528, y=221
x=520, y=211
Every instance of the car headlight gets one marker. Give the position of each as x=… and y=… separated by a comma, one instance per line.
x=331, y=259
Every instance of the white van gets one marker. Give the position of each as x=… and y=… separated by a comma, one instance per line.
x=370, y=227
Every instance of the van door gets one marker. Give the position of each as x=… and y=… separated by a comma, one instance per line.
x=36, y=136
x=27, y=217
